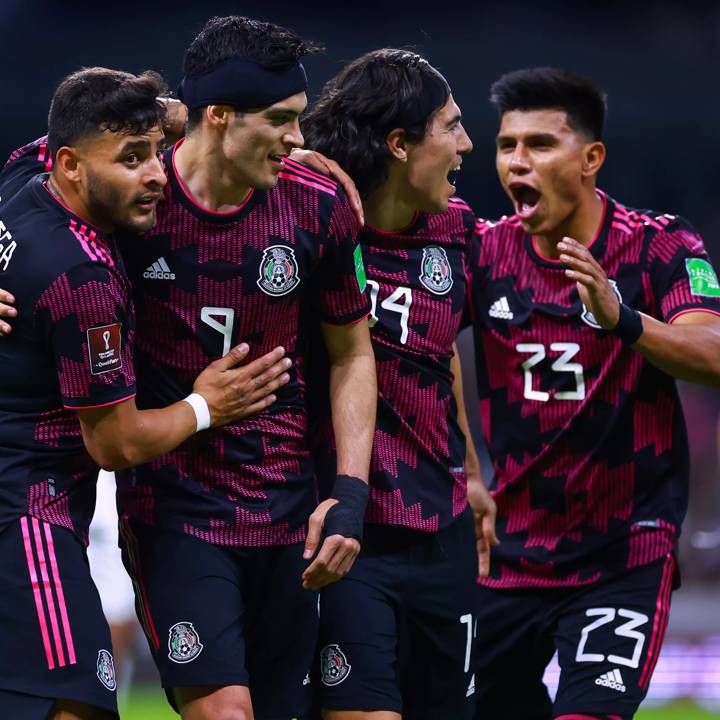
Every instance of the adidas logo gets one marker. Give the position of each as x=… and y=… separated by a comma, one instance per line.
x=159, y=270
x=612, y=680
x=471, y=687
x=501, y=309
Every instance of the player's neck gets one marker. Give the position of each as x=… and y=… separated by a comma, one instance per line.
x=386, y=209
x=200, y=168
x=581, y=225
x=70, y=198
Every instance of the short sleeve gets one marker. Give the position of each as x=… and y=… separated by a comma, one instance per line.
x=681, y=273
x=22, y=165
x=342, y=278
x=87, y=318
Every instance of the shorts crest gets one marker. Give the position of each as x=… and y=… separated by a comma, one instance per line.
x=106, y=669
x=183, y=643
x=334, y=667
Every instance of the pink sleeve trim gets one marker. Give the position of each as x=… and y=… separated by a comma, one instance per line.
x=94, y=407
x=672, y=318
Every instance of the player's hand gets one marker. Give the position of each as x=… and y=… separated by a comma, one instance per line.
x=235, y=392
x=337, y=553
x=593, y=286
x=175, y=118
x=6, y=310
x=318, y=162
x=484, y=512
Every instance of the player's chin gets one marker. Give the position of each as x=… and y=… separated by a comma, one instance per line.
x=141, y=221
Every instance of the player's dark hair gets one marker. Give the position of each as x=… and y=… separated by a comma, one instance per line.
x=95, y=99
x=271, y=46
x=549, y=88
x=380, y=91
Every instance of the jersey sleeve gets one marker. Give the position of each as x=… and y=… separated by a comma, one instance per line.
x=22, y=165
x=87, y=319
x=342, y=278
x=681, y=274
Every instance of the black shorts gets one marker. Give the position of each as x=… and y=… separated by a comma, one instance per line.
x=55, y=640
x=217, y=615
x=607, y=635
x=396, y=633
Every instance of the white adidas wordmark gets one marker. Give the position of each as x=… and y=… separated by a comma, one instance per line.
x=612, y=680
x=159, y=270
x=501, y=309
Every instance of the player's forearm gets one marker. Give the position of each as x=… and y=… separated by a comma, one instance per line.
x=127, y=436
x=687, y=351
x=472, y=461
x=353, y=396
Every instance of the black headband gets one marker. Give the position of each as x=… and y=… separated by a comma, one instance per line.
x=242, y=83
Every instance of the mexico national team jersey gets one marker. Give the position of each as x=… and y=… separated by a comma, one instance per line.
x=587, y=438
x=70, y=349
x=204, y=282
x=416, y=283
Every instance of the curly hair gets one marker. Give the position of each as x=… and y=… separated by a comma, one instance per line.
x=380, y=91
x=95, y=99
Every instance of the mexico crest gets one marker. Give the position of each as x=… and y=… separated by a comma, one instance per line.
x=435, y=271
x=334, y=667
x=183, y=643
x=106, y=669
x=588, y=318
x=278, y=270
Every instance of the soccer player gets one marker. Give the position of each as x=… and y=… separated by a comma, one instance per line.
x=585, y=312
x=397, y=633
x=67, y=385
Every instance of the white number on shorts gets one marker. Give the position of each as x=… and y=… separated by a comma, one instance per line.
x=224, y=328
x=468, y=620
x=607, y=615
x=561, y=364
x=391, y=303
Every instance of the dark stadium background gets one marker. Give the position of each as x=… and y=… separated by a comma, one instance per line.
x=658, y=62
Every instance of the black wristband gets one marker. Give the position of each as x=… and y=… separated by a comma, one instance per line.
x=347, y=516
x=629, y=327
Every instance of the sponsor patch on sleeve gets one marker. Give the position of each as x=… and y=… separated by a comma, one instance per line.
x=359, y=268
x=104, y=346
x=703, y=280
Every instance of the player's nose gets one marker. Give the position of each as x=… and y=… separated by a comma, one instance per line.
x=156, y=173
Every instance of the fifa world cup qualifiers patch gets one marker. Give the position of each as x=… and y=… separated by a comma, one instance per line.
x=360, y=268
x=703, y=280
x=183, y=643
x=104, y=348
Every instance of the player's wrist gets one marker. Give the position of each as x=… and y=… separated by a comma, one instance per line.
x=347, y=516
x=629, y=326
x=201, y=409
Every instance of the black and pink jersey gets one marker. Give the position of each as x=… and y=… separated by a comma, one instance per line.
x=70, y=349
x=416, y=282
x=587, y=438
x=203, y=282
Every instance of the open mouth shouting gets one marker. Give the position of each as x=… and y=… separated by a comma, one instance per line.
x=525, y=198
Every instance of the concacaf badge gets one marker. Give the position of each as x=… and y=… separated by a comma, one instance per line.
x=106, y=670
x=435, y=270
x=183, y=643
x=334, y=667
x=278, y=270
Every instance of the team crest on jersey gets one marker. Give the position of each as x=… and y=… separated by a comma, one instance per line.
x=588, y=318
x=106, y=670
x=435, y=270
x=278, y=270
x=334, y=667
x=184, y=643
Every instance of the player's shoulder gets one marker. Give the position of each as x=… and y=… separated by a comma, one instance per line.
x=507, y=225
x=460, y=212
x=657, y=229
x=302, y=178
x=36, y=151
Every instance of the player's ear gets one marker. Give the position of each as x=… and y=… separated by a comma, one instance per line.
x=67, y=163
x=397, y=144
x=593, y=158
x=218, y=116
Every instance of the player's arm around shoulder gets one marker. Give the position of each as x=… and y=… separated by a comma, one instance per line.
x=684, y=341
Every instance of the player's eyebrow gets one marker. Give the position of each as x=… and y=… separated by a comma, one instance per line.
x=454, y=120
x=290, y=112
x=131, y=145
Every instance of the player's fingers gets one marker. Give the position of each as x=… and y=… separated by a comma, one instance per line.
x=6, y=297
x=233, y=357
x=260, y=392
x=584, y=279
x=264, y=363
x=346, y=548
x=5, y=329
x=483, y=551
x=7, y=310
x=272, y=373
x=488, y=529
x=313, y=537
x=258, y=406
